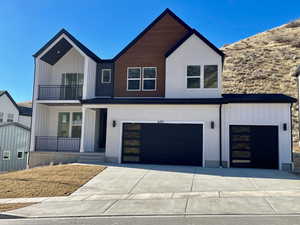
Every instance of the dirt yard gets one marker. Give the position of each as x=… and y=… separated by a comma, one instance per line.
x=49, y=181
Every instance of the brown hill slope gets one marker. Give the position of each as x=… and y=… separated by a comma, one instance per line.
x=264, y=63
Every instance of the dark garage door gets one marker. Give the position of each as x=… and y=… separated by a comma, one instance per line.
x=254, y=146
x=160, y=143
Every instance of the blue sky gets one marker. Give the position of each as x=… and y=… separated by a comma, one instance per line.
x=107, y=26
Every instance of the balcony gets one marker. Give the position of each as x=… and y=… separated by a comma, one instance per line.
x=57, y=144
x=60, y=92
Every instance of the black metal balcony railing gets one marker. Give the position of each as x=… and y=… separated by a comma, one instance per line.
x=57, y=144
x=60, y=92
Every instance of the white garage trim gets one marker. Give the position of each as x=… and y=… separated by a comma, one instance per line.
x=164, y=122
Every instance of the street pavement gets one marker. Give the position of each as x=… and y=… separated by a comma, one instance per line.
x=173, y=220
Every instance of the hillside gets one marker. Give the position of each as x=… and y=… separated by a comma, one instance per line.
x=264, y=63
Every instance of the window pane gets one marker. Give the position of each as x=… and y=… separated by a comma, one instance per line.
x=241, y=154
x=10, y=118
x=193, y=71
x=77, y=119
x=193, y=83
x=6, y=155
x=20, y=155
x=211, y=76
x=134, y=73
x=1, y=117
x=149, y=84
x=80, y=79
x=63, y=124
x=106, y=76
x=149, y=72
x=134, y=85
x=76, y=131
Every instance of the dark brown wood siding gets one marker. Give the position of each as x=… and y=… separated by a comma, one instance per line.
x=149, y=51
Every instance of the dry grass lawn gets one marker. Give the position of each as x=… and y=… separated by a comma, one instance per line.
x=12, y=206
x=46, y=181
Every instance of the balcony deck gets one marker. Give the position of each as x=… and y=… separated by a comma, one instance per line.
x=60, y=92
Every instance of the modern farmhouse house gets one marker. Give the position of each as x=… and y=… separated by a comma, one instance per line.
x=158, y=101
x=11, y=112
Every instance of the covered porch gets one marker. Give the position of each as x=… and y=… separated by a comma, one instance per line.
x=69, y=128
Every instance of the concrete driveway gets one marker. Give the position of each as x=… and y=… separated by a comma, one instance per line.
x=135, y=179
x=176, y=190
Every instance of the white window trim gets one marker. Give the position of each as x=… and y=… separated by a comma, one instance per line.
x=71, y=122
x=155, y=78
x=128, y=79
x=1, y=117
x=102, y=72
x=22, y=155
x=12, y=118
x=4, y=154
x=187, y=77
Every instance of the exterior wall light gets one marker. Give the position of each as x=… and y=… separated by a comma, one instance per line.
x=114, y=123
x=284, y=126
x=212, y=125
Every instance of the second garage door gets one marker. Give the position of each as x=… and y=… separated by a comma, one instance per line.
x=254, y=146
x=162, y=143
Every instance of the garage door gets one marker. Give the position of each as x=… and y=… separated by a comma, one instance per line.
x=161, y=143
x=254, y=146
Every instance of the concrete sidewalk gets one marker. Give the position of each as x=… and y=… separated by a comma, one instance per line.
x=172, y=206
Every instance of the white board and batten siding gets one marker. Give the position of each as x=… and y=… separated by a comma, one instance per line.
x=7, y=107
x=192, y=52
x=258, y=114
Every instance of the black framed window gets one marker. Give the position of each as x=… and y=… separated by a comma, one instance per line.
x=210, y=76
x=193, y=76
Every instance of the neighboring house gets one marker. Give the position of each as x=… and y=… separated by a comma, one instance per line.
x=11, y=112
x=14, y=146
x=158, y=101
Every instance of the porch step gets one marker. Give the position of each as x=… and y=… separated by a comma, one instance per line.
x=91, y=158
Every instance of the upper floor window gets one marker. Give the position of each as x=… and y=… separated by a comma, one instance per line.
x=149, y=78
x=193, y=76
x=210, y=76
x=106, y=76
x=141, y=78
x=195, y=79
x=10, y=117
x=1, y=117
x=6, y=155
x=133, y=78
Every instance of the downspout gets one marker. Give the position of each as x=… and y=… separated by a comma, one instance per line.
x=29, y=154
x=220, y=135
x=291, y=122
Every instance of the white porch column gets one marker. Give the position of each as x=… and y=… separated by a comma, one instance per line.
x=88, y=129
x=89, y=78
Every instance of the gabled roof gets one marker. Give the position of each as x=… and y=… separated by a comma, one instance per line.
x=167, y=11
x=23, y=111
x=193, y=31
x=10, y=98
x=74, y=40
